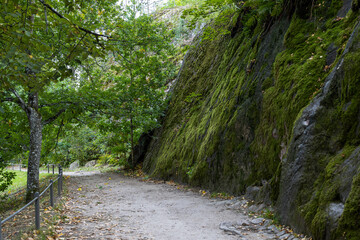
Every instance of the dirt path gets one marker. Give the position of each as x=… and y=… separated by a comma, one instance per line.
x=111, y=206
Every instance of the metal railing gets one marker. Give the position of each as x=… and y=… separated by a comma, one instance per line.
x=13, y=166
x=53, y=168
x=36, y=201
x=19, y=167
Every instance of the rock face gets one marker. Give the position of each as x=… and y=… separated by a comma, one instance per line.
x=141, y=148
x=74, y=165
x=91, y=163
x=318, y=157
x=272, y=110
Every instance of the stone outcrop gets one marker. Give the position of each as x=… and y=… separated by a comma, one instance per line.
x=272, y=110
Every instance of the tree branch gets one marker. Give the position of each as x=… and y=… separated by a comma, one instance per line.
x=76, y=45
x=53, y=118
x=80, y=28
x=8, y=99
x=58, y=133
x=20, y=101
x=55, y=104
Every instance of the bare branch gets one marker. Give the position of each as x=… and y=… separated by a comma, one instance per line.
x=76, y=45
x=8, y=99
x=53, y=118
x=55, y=104
x=20, y=101
x=78, y=27
x=58, y=133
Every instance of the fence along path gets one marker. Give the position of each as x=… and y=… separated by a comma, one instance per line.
x=36, y=201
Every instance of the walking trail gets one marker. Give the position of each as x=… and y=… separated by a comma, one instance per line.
x=113, y=206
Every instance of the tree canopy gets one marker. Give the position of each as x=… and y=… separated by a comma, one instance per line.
x=71, y=65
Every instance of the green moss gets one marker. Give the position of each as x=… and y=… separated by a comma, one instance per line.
x=298, y=76
x=234, y=106
x=326, y=189
x=349, y=225
x=275, y=184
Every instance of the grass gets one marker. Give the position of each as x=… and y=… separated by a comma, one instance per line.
x=14, y=196
x=20, y=181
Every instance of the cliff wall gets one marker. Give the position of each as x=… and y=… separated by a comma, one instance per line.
x=273, y=104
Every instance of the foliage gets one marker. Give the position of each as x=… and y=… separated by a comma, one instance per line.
x=179, y=3
x=207, y=9
x=42, y=45
x=140, y=67
x=19, y=181
x=77, y=143
x=55, y=74
x=6, y=178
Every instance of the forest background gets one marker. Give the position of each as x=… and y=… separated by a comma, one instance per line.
x=82, y=80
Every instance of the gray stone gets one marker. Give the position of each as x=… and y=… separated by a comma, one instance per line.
x=285, y=236
x=91, y=163
x=236, y=205
x=334, y=211
x=345, y=8
x=254, y=227
x=242, y=223
x=252, y=208
x=273, y=228
x=230, y=227
x=307, y=146
x=260, y=207
x=74, y=165
x=280, y=234
x=331, y=54
x=252, y=192
x=220, y=203
x=257, y=221
x=266, y=223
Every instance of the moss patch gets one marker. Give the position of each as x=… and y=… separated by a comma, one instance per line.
x=233, y=109
x=349, y=226
x=326, y=190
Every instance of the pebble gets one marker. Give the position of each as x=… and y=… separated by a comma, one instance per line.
x=273, y=228
x=257, y=220
x=280, y=233
x=285, y=236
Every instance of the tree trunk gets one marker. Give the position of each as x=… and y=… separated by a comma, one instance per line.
x=132, y=141
x=35, y=147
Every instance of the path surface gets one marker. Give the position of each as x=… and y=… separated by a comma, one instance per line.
x=112, y=206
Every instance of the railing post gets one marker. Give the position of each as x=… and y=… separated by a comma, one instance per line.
x=0, y=230
x=61, y=178
x=37, y=211
x=53, y=166
x=59, y=187
x=51, y=193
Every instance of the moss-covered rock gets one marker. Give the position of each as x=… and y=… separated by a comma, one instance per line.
x=277, y=103
x=322, y=160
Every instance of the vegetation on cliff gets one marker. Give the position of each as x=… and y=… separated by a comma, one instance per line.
x=231, y=118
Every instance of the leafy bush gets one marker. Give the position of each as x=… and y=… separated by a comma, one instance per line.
x=6, y=177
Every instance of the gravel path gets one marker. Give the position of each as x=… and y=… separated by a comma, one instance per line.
x=112, y=206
